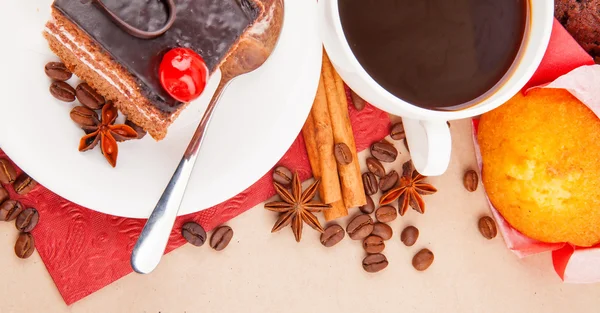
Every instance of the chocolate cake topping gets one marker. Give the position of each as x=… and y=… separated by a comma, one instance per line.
x=134, y=31
x=209, y=27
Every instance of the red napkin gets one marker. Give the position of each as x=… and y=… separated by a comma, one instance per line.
x=572, y=264
x=84, y=250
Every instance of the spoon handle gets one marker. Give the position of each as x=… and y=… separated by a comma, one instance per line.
x=152, y=242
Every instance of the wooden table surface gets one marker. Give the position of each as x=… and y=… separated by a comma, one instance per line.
x=264, y=272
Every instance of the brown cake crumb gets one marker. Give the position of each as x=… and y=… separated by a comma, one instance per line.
x=581, y=18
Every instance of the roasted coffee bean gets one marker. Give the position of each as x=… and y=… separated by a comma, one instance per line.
x=471, y=180
x=389, y=181
x=386, y=214
x=422, y=260
x=373, y=244
x=342, y=153
x=375, y=167
x=384, y=152
x=374, y=263
x=332, y=235
x=409, y=236
x=8, y=174
x=57, y=71
x=89, y=97
x=221, y=238
x=487, y=227
x=369, y=207
x=3, y=194
x=9, y=210
x=360, y=227
x=406, y=145
x=84, y=116
x=370, y=183
x=24, y=184
x=283, y=176
x=138, y=129
x=62, y=91
x=27, y=220
x=382, y=230
x=193, y=233
x=24, y=246
x=359, y=103
x=397, y=132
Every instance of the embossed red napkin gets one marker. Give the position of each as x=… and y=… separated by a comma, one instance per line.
x=85, y=251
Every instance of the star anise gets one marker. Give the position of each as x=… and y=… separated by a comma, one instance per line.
x=105, y=132
x=297, y=207
x=410, y=191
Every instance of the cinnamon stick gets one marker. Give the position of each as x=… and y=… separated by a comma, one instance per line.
x=323, y=141
x=350, y=177
x=338, y=209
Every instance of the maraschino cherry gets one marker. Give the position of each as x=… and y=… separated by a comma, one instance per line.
x=183, y=74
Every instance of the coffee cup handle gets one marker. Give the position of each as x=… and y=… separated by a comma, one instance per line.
x=430, y=145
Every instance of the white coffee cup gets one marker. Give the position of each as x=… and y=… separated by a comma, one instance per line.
x=427, y=133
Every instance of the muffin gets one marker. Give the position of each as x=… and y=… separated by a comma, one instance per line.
x=581, y=18
x=541, y=166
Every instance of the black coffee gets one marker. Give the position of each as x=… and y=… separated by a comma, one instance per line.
x=436, y=54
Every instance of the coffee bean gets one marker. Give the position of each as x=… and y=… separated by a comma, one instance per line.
x=342, y=153
x=332, y=235
x=370, y=183
x=24, y=246
x=360, y=227
x=375, y=167
x=27, y=220
x=382, y=230
x=193, y=233
x=8, y=173
x=389, y=181
x=397, y=132
x=138, y=129
x=57, y=71
x=359, y=103
x=374, y=263
x=369, y=207
x=406, y=145
x=409, y=236
x=3, y=194
x=422, y=260
x=471, y=180
x=221, y=238
x=386, y=214
x=9, y=210
x=84, y=116
x=487, y=227
x=62, y=91
x=384, y=152
x=283, y=176
x=24, y=184
x=89, y=97
x=373, y=244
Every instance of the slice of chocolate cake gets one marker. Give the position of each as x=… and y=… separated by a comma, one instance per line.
x=123, y=67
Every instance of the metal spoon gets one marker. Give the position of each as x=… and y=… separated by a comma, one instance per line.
x=253, y=50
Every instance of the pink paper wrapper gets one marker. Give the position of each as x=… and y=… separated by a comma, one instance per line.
x=573, y=264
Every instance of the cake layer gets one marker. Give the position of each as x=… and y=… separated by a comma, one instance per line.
x=209, y=27
x=86, y=60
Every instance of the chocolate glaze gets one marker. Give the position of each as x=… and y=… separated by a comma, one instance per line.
x=436, y=54
x=137, y=32
x=209, y=27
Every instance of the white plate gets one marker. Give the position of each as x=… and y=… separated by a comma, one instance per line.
x=258, y=119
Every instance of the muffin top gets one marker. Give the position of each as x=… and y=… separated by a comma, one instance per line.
x=541, y=166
